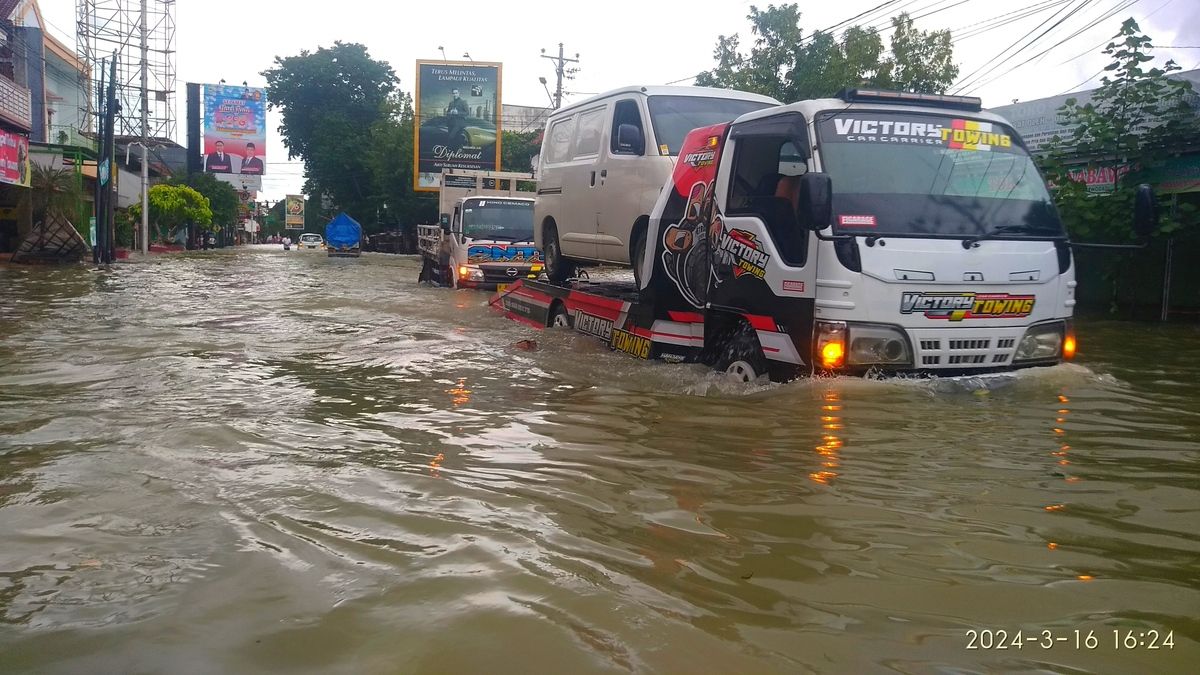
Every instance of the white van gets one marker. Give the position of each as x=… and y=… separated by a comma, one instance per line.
x=604, y=161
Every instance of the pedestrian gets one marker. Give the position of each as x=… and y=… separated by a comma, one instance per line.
x=446, y=256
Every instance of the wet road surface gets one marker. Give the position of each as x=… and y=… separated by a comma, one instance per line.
x=258, y=461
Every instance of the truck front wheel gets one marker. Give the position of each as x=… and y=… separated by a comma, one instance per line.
x=558, y=268
x=741, y=356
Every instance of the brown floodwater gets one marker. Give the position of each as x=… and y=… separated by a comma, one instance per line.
x=259, y=461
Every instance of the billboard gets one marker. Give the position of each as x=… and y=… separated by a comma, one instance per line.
x=14, y=158
x=458, y=120
x=293, y=212
x=235, y=129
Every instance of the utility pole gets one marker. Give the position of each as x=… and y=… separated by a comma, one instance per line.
x=559, y=70
x=145, y=148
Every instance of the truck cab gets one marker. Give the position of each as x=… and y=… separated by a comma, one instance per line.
x=494, y=241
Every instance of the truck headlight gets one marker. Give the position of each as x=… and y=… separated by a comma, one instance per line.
x=873, y=344
x=470, y=273
x=831, y=344
x=1040, y=342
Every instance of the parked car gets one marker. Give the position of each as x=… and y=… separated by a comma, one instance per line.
x=311, y=240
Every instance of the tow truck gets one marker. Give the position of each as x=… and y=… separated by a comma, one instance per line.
x=877, y=231
x=488, y=216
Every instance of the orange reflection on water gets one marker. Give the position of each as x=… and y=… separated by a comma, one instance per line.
x=435, y=464
x=831, y=443
x=459, y=394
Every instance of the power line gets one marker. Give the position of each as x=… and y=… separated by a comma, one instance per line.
x=979, y=73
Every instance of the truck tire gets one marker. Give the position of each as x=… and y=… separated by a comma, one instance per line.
x=638, y=256
x=559, y=317
x=741, y=356
x=558, y=268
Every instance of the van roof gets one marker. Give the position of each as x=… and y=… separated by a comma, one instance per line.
x=664, y=90
x=813, y=106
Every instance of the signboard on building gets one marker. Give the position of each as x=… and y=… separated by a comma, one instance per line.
x=235, y=129
x=14, y=158
x=458, y=120
x=293, y=211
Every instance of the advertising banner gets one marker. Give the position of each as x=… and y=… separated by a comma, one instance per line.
x=458, y=120
x=14, y=158
x=293, y=211
x=235, y=129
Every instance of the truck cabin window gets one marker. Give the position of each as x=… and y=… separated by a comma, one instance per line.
x=674, y=116
x=766, y=184
x=931, y=175
x=500, y=219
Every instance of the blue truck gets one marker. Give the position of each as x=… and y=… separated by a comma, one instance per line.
x=343, y=237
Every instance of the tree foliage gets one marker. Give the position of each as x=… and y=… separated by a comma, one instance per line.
x=783, y=64
x=517, y=147
x=1134, y=122
x=223, y=199
x=332, y=102
x=172, y=206
x=54, y=192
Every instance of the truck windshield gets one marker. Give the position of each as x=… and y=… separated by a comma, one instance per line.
x=501, y=219
x=674, y=116
x=914, y=174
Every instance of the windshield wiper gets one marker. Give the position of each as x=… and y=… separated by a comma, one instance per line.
x=995, y=233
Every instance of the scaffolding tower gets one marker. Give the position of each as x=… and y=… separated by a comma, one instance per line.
x=108, y=26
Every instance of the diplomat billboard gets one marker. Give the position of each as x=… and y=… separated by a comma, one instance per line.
x=458, y=119
x=235, y=129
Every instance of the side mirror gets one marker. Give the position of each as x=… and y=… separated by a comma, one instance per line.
x=1145, y=212
x=816, y=201
x=629, y=139
x=444, y=220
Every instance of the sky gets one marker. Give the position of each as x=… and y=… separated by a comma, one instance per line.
x=624, y=42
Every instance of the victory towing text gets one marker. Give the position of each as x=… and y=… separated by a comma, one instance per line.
x=1116, y=638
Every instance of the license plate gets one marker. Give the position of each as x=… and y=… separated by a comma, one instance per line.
x=500, y=288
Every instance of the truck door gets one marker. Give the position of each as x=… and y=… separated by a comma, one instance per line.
x=764, y=257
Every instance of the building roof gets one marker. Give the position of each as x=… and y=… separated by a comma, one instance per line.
x=7, y=7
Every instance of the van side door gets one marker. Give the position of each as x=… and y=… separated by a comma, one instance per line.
x=627, y=188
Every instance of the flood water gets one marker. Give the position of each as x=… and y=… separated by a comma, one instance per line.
x=259, y=461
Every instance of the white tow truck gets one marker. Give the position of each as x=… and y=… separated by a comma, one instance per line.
x=487, y=217
x=876, y=231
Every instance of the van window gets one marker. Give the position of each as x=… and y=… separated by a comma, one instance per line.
x=674, y=116
x=626, y=112
x=766, y=172
x=589, y=131
x=558, y=140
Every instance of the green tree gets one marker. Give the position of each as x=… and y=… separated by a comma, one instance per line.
x=783, y=64
x=1134, y=122
x=389, y=157
x=172, y=206
x=330, y=100
x=54, y=192
x=222, y=197
x=516, y=148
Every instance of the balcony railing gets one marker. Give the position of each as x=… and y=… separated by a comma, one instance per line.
x=15, y=104
x=63, y=134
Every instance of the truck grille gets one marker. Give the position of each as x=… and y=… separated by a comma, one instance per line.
x=959, y=348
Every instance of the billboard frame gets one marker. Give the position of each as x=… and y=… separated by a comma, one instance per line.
x=416, y=180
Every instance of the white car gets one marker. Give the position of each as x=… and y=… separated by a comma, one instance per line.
x=311, y=241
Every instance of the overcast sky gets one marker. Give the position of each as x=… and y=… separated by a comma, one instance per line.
x=622, y=42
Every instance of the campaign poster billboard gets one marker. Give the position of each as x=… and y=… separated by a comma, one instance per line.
x=293, y=212
x=458, y=120
x=235, y=129
x=14, y=158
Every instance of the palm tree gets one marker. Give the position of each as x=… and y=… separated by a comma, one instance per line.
x=55, y=192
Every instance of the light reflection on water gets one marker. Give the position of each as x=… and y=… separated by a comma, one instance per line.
x=258, y=462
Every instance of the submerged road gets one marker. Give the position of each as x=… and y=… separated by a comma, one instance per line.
x=259, y=461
